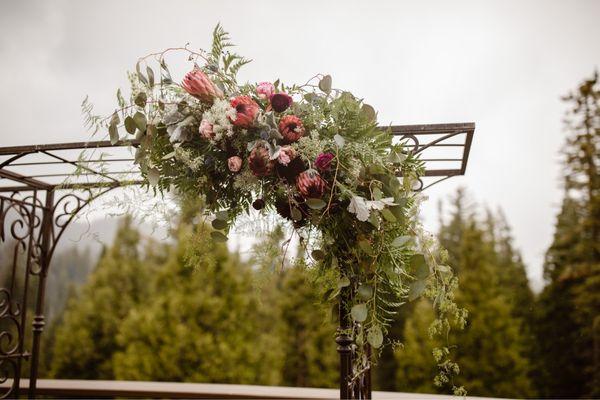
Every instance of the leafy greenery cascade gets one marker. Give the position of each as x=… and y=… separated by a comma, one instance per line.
x=313, y=154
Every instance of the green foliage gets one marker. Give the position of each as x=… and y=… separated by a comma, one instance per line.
x=567, y=352
x=200, y=324
x=86, y=339
x=195, y=312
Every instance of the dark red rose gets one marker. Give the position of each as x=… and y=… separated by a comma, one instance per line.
x=323, y=161
x=281, y=102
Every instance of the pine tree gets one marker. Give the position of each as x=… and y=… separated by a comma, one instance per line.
x=569, y=350
x=201, y=324
x=85, y=341
x=290, y=295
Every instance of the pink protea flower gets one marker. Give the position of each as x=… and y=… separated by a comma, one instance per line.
x=281, y=101
x=198, y=85
x=265, y=90
x=323, y=161
x=246, y=111
x=286, y=154
x=234, y=163
x=206, y=130
x=310, y=184
x=291, y=128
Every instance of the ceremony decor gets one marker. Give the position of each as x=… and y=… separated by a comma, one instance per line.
x=311, y=153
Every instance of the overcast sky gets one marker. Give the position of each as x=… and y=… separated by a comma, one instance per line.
x=501, y=64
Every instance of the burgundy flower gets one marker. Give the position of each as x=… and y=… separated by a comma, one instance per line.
x=291, y=128
x=246, y=109
x=323, y=161
x=260, y=162
x=310, y=184
x=281, y=101
x=198, y=85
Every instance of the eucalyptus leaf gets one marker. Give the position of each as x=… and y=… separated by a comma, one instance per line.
x=129, y=125
x=120, y=99
x=416, y=289
x=153, y=176
x=219, y=224
x=140, y=76
x=325, y=84
x=218, y=236
x=339, y=140
x=375, y=336
x=369, y=112
x=365, y=292
x=388, y=215
x=140, y=121
x=222, y=215
x=377, y=194
x=113, y=133
x=400, y=241
x=359, y=312
x=315, y=204
x=419, y=266
x=150, y=76
x=141, y=99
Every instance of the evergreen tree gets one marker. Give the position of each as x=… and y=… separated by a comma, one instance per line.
x=85, y=341
x=310, y=357
x=568, y=312
x=201, y=324
x=291, y=296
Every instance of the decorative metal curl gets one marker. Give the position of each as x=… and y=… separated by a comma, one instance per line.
x=8, y=368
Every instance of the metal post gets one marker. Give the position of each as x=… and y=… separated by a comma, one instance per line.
x=344, y=342
x=39, y=319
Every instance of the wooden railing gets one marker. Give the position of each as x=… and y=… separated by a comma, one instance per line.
x=64, y=388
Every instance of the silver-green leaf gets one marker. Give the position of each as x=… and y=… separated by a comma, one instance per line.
x=359, y=312
x=416, y=289
x=325, y=84
x=375, y=336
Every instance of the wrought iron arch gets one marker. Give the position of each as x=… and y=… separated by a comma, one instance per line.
x=44, y=187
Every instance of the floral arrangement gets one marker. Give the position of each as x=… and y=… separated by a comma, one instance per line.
x=311, y=153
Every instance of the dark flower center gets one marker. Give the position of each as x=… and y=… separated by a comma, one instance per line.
x=240, y=108
x=292, y=126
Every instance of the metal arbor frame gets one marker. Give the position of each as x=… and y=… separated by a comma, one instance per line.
x=44, y=187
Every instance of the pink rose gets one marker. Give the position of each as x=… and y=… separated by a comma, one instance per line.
x=265, y=90
x=206, y=130
x=286, y=154
x=234, y=163
x=323, y=161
